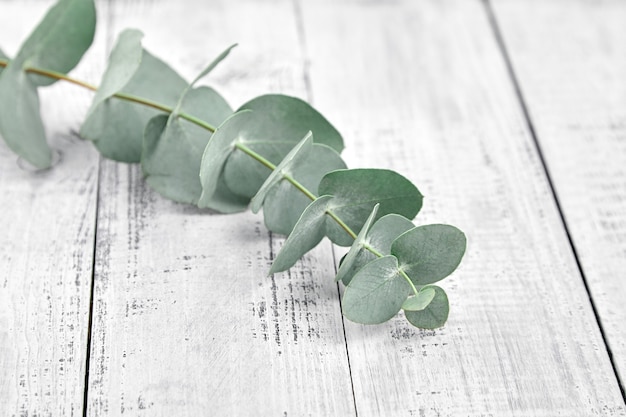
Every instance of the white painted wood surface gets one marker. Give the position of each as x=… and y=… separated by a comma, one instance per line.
x=185, y=320
x=422, y=87
x=47, y=224
x=577, y=101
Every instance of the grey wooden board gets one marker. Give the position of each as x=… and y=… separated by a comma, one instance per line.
x=423, y=88
x=47, y=227
x=577, y=101
x=186, y=320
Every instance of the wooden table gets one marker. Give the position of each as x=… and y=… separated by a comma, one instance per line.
x=510, y=115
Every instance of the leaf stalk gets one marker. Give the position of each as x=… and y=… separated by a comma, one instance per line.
x=121, y=96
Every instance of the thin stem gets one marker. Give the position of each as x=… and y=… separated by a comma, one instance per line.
x=404, y=275
x=207, y=126
x=342, y=224
x=299, y=186
x=255, y=155
x=122, y=96
x=60, y=76
x=242, y=147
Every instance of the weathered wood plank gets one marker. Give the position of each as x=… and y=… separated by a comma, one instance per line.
x=571, y=65
x=186, y=320
x=46, y=247
x=422, y=87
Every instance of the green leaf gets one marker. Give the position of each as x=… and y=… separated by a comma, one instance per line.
x=290, y=117
x=279, y=122
x=173, y=147
x=308, y=232
x=379, y=238
x=216, y=153
x=434, y=315
x=224, y=201
x=419, y=301
x=284, y=203
x=357, y=246
x=124, y=62
x=116, y=126
x=376, y=293
x=356, y=191
x=294, y=157
x=20, y=121
x=213, y=64
x=60, y=40
x=429, y=253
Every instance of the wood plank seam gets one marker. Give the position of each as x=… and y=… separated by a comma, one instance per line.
x=301, y=31
x=91, y=294
x=109, y=45
x=531, y=128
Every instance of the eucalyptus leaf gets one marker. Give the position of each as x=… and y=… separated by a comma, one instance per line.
x=60, y=40
x=294, y=157
x=284, y=204
x=420, y=301
x=429, y=253
x=124, y=62
x=380, y=237
x=20, y=121
x=356, y=191
x=376, y=293
x=308, y=233
x=290, y=117
x=279, y=122
x=216, y=153
x=116, y=126
x=173, y=148
x=357, y=246
x=434, y=315
x=224, y=201
x=213, y=64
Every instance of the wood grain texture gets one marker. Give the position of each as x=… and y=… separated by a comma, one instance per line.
x=422, y=87
x=576, y=97
x=47, y=228
x=186, y=320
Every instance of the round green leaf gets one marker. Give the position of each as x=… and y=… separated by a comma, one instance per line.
x=308, y=232
x=379, y=237
x=116, y=126
x=357, y=246
x=60, y=40
x=171, y=158
x=216, y=153
x=434, y=315
x=284, y=203
x=290, y=117
x=278, y=122
x=376, y=292
x=420, y=301
x=123, y=63
x=294, y=157
x=356, y=191
x=20, y=121
x=429, y=253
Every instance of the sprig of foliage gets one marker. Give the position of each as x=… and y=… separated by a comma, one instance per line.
x=275, y=153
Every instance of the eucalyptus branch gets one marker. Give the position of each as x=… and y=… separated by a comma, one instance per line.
x=299, y=181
